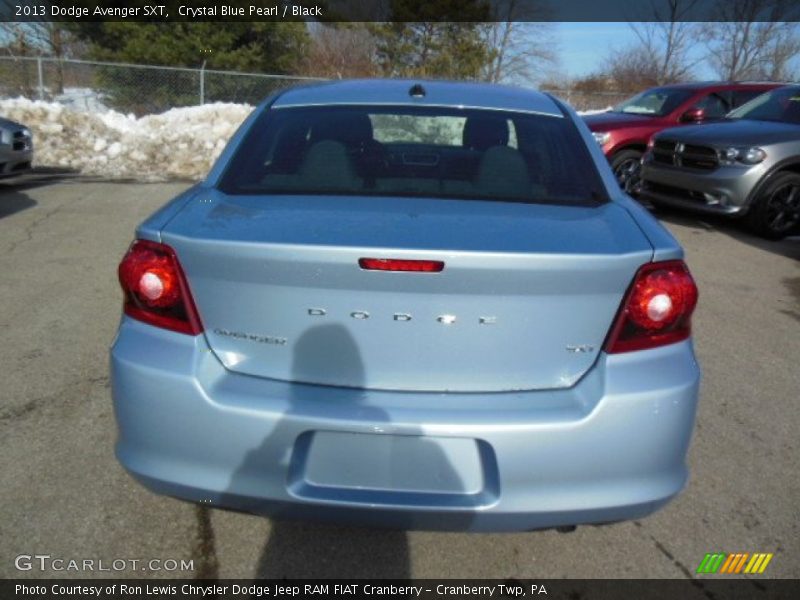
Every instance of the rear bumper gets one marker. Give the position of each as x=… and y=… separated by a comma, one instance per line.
x=725, y=190
x=610, y=448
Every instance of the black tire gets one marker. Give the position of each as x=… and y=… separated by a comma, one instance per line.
x=627, y=168
x=775, y=213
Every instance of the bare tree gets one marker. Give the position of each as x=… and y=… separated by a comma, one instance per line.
x=666, y=39
x=753, y=39
x=340, y=51
x=780, y=56
x=662, y=51
x=521, y=42
x=39, y=38
x=630, y=70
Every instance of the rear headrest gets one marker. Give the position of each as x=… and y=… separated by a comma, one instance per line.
x=349, y=129
x=484, y=132
x=503, y=173
x=328, y=166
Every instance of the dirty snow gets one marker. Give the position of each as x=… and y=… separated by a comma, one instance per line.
x=180, y=143
x=82, y=98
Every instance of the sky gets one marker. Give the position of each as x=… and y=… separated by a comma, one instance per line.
x=583, y=46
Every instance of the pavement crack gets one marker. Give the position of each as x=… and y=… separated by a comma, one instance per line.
x=16, y=412
x=661, y=548
x=104, y=379
x=33, y=405
x=31, y=227
x=681, y=567
x=204, y=551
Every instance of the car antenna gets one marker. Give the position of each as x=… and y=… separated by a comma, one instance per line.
x=417, y=91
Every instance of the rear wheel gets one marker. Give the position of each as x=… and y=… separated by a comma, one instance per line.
x=626, y=165
x=776, y=210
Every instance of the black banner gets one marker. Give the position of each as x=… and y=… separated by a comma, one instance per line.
x=396, y=10
x=427, y=589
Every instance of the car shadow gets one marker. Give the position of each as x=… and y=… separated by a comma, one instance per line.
x=38, y=177
x=788, y=247
x=14, y=201
x=313, y=547
x=306, y=549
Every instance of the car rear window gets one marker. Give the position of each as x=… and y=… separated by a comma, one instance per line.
x=781, y=106
x=656, y=102
x=741, y=97
x=415, y=151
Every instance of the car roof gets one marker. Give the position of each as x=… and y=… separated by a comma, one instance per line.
x=398, y=92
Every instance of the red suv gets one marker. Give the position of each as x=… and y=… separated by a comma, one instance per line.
x=624, y=131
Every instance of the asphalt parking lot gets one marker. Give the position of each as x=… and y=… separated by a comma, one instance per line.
x=64, y=495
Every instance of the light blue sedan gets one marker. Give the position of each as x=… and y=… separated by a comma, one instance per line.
x=411, y=304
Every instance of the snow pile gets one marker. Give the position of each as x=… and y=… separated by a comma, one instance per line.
x=180, y=143
x=594, y=112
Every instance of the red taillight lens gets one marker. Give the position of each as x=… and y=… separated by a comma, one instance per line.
x=155, y=288
x=657, y=309
x=396, y=264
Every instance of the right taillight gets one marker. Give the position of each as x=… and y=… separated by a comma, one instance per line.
x=155, y=288
x=656, y=310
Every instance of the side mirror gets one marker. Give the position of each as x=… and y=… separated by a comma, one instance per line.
x=693, y=115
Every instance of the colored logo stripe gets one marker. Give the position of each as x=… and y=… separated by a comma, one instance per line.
x=720, y=562
x=734, y=563
x=711, y=563
x=758, y=563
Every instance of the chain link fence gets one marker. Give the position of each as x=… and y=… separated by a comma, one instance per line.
x=144, y=89
x=128, y=88
x=583, y=101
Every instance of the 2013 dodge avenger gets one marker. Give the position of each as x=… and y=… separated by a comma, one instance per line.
x=409, y=304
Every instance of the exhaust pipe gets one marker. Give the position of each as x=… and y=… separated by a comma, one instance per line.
x=566, y=528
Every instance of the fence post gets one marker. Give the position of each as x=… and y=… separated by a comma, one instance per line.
x=41, y=77
x=203, y=83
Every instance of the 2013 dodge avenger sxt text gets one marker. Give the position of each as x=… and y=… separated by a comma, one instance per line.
x=411, y=304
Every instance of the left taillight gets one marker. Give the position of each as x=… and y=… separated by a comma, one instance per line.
x=155, y=288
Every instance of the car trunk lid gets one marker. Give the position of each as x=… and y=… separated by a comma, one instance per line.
x=525, y=299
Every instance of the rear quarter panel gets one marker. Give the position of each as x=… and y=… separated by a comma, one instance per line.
x=665, y=246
